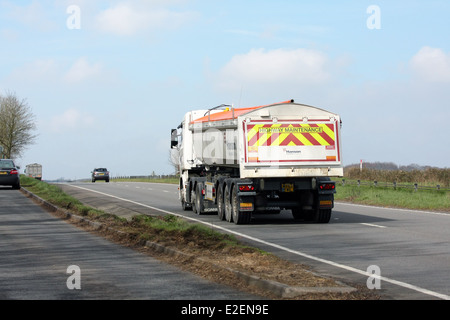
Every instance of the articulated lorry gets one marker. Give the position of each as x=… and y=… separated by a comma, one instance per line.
x=34, y=171
x=245, y=161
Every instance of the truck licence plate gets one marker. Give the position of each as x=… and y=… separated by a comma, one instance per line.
x=287, y=187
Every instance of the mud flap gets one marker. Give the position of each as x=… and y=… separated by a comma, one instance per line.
x=326, y=201
x=246, y=203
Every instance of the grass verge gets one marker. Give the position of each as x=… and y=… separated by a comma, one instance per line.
x=162, y=227
x=399, y=198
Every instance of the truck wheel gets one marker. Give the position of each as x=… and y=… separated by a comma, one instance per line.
x=239, y=217
x=297, y=213
x=193, y=201
x=199, y=200
x=227, y=202
x=185, y=206
x=220, y=204
x=322, y=215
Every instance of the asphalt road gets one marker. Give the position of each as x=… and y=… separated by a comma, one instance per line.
x=403, y=254
x=45, y=258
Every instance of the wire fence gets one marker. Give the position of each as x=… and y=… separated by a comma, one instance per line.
x=393, y=185
x=150, y=177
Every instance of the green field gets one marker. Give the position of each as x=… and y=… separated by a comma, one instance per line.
x=389, y=197
x=370, y=195
x=152, y=180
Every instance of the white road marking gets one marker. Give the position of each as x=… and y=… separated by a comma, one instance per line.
x=373, y=225
x=274, y=245
x=394, y=209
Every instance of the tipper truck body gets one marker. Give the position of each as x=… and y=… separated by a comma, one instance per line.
x=242, y=161
x=34, y=171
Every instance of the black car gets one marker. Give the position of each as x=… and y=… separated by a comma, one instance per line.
x=9, y=174
x=100, y=174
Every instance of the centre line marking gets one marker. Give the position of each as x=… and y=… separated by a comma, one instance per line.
x=373, y=225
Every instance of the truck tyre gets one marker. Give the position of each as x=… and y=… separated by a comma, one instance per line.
x=194, y=201
x=227, y=206
x=297, y=213
x=220, y=204
x=239, y=217
x=184, y=205
x=199, y=200
x=322, y=215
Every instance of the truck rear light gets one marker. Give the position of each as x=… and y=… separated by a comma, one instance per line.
x=246, y=187
x=327, y=186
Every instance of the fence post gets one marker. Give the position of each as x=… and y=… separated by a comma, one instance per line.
x=438, y=187
x=343, y=182
x=359, y=183
x=415, y=187
x=395, y=185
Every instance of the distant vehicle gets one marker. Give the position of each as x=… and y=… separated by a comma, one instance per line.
x=100, y=174
x=9, y=174
x=34, y=171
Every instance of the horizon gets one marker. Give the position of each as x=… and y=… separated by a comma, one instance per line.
x=108, y=80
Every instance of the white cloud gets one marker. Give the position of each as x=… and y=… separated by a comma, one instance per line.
x=69, y=120
x=126, y=19
x=33, y=15
x=9, y=34
x=34, y=72
x=280, y=67
x=431, y=64
x=81, y=70
x=50, y=72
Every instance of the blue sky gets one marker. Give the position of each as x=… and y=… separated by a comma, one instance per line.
x=109, y=80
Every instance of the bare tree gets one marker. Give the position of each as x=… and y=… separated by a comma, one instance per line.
x=16, y=125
